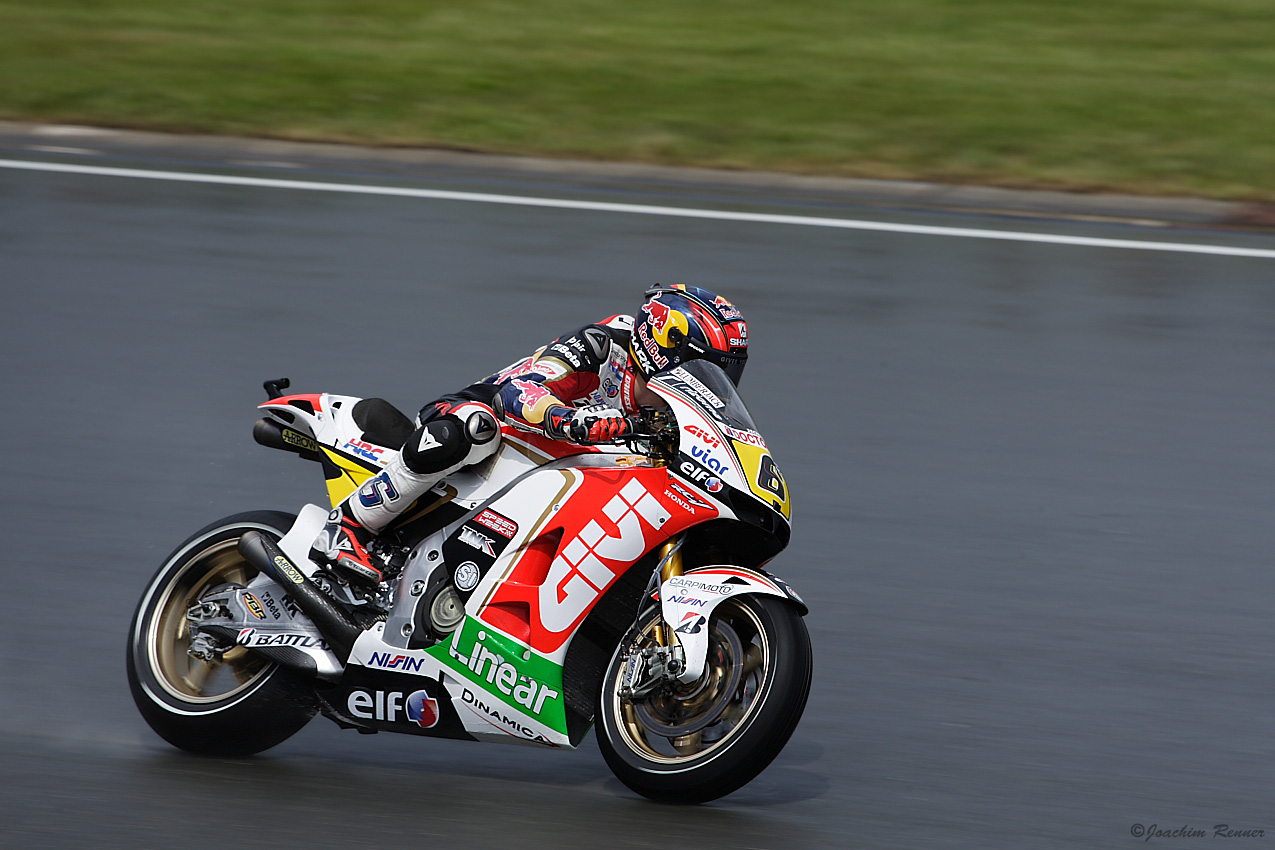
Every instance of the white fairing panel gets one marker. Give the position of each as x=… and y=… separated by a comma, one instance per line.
x=687, y=603
x=296, y=543
x=478, y=483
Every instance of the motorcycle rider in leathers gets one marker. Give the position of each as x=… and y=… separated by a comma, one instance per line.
x=585, y=387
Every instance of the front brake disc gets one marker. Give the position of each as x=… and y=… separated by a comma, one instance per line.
x=672, y=716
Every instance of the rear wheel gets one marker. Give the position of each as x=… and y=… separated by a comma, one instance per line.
x=237, y=705
x=694, y=743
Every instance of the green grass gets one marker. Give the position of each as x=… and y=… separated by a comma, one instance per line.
x=1154, y=96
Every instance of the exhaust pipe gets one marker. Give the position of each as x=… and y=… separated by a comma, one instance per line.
x=336, y=625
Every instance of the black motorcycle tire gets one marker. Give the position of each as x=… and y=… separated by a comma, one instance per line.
x=263, y=704
x=779, y=698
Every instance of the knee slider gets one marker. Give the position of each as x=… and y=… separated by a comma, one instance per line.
x=483, y=431
x=435, y=446
x=481, y=426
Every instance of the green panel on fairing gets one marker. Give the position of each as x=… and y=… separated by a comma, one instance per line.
x=506, y=670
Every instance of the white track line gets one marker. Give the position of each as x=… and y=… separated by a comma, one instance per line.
x=641, y=209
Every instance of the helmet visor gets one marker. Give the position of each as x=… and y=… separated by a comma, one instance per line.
x=732, y=364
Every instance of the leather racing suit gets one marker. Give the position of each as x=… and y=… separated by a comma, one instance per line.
x=546, y=393
x=588, y=367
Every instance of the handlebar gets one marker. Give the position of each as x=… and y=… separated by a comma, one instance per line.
x=656, y=434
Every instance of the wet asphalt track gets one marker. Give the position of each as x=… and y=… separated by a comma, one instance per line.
x=1034, y=486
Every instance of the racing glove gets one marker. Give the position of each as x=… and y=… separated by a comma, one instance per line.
x=598, y=424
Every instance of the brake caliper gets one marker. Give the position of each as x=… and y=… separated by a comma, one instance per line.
x=203, y=645
x=647, y=668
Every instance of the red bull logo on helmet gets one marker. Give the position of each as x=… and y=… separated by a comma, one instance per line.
x=662, y=319
x=728, y=310
x=652, y=350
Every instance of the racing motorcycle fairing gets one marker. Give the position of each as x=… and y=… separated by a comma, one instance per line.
x=352, y=437
x=720, y=450
x=532, y=541
x=537, y=560
x=521, y=598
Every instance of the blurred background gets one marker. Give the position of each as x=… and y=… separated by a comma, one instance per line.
x=1032, y=482
x=1152, y=96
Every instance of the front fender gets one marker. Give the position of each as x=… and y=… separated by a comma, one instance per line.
x=687, y=604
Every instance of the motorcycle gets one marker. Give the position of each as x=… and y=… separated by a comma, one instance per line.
x=548, y=589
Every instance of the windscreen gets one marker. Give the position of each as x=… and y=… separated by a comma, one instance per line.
x=707, y=385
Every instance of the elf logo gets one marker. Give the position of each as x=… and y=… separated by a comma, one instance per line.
x=389, y=706
x=705, y=478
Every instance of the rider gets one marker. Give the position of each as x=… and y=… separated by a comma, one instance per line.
x=584, y=387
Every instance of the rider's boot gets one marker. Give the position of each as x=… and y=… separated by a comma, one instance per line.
x=353, y=524
x=343, y=543
x=467, y=433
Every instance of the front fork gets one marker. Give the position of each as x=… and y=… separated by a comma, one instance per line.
x=646, y=668
x=670, y=566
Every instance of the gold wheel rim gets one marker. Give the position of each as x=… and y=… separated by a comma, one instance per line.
x=190, y=679
x=730, y=721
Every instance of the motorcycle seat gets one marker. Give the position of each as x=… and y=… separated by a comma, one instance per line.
x=383, y=424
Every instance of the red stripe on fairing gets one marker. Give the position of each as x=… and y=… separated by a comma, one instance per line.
x=737, y=574
x=284, y=401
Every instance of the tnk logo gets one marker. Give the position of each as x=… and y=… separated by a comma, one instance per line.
x=589, y=563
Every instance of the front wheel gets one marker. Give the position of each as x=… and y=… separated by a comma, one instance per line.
x=695, y=743
x=237, y=705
